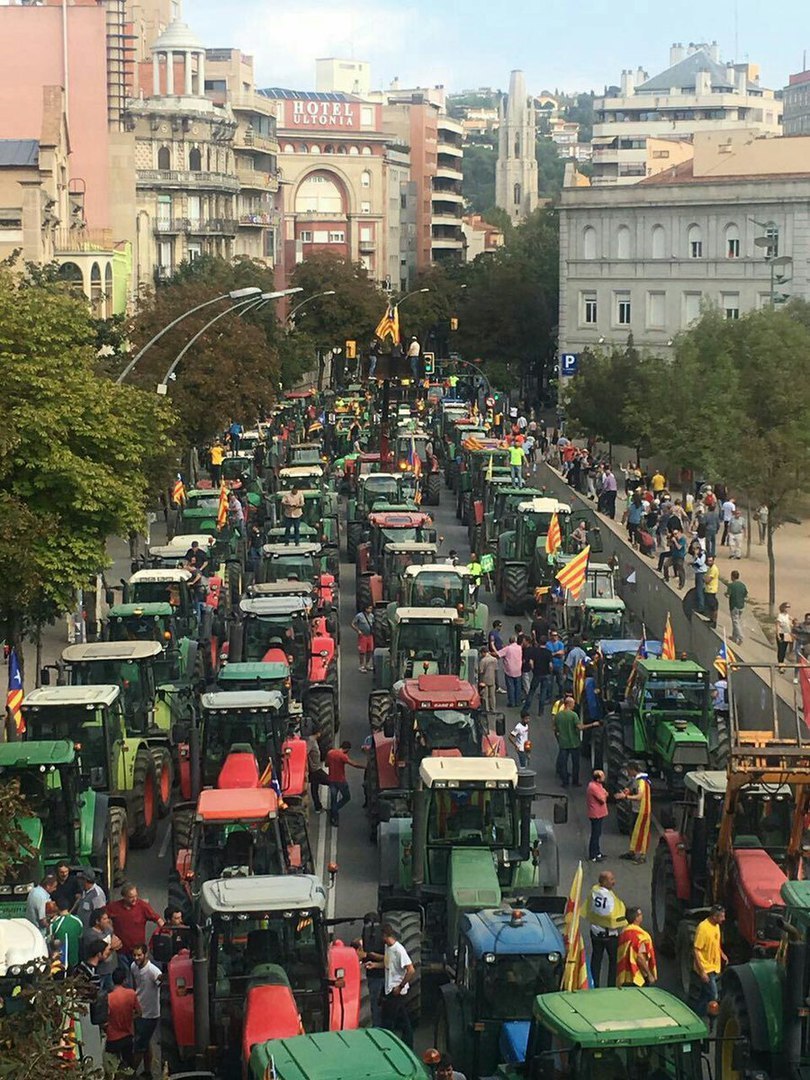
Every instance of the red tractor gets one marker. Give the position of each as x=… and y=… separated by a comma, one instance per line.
x=390, y=527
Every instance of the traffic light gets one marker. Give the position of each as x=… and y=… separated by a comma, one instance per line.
x=351, y=350
x=430, y=363
x=453, y=322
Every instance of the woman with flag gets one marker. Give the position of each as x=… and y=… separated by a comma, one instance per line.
x=639, y=793
x=637, y=965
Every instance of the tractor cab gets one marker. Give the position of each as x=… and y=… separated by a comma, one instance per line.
x=305, y=453
x=393, y=527
x=291, y=562
x=409, y=445
x=304, y=477
x=447, y=586
x=532, y=523
x=380, y=487
x=615, y=658
x=238, y=468
x=172, y=555
x=401, y=556
x=632, y=1033
x=598, y=612
x=135, y=666
x=167, y=587
x=424, y=641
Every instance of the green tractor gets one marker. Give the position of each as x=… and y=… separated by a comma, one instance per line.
x=385, y=585
x=370, y=1053
x=597, y=614
x=666, y=721
x=436, y=585
x=522, y=565
x=320, y=514
x=111, y=763
x=68, y=820
x=474, y=468
x=496, y=510
x=372, y=488
x=471, y=844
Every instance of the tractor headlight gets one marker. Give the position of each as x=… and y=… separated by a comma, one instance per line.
x=553, y=958
x=677, y=768
x=15, y=969
x=5, y=890
x=23, y=890
x=488, y=958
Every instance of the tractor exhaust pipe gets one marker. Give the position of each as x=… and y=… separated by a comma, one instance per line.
x=526, y=790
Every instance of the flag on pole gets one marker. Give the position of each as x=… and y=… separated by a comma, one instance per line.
x=579, y=680
x=222, y=508
x=15, y=692
x=388, y=326
x=575, y=972
x=572, y=575
x=724, y=657
x=179, y=491
x=641, y=654
x=414, y=461
x=489, y=468
x=553, y=536
x=668, y=641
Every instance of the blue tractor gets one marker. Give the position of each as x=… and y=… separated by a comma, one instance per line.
x=506, y=957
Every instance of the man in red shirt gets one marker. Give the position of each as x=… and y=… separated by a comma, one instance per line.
x=130, y=916
x=122, y=1008
x=339, y=794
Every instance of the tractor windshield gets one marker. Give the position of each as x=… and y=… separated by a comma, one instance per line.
x=404, y=447
x=447, y=729
x=137, y=681
x=479, y=816
x=662, y=1061
x=290, y=567
x=426, y=641
x=599, y=587
x=313, y=511
x=225, y=728
x=605, y=624
x=138, y=628
x=383, y=487
x=438, y=589
x=231, y=850
x=82, y=726
x=50, y=794
x=674, y=695
x=401, y=536
x=155, y=592
x=232, y=468
x=510, y=984
x=263, y=634
x=763, y=820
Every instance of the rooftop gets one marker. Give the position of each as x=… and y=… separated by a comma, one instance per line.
x=426, y=614
x=20, y=153
x=683, y=75
x=631, y=1016
x=491, y=931
x=25, y=755
x=236, y=804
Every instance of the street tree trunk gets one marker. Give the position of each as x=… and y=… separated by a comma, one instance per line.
x=771, y=565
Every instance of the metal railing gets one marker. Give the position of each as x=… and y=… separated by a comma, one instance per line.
x=179, y=178
x=76, y=240
x=197, y=225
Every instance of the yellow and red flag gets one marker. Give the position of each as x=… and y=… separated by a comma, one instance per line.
x=553, y=536
x=668, y=641
x=579, y=681
x=222, y=508
x=179, y=491
x=572, y=575
x=15, y=693
x=575, y=972
x=388, y=326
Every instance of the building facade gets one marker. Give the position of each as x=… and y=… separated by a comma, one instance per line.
x=695, y=93
x=334, y=75
x=516, y=180
x=645, y=258
x=796, y=102
x=480, y=238
x=400, y=222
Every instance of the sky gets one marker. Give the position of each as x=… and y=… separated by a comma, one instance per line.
x=560, y=44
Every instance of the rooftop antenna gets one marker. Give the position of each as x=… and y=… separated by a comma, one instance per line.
x=736, y=31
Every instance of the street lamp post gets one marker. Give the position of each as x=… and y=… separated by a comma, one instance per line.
x=297, y=308
x=244, y=305
x=251, y=292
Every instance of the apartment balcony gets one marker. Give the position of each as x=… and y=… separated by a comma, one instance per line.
x=75, y=241
x=445, y=219
x=447, y=196
x=257, y=180
x=445, y=172
x=177, y=180
x=259, y=219
x=449, y=148
x=367, y=246
x=246, y=139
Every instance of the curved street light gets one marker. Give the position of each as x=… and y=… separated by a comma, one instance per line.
x=415, y=292
x=250, y=302
x=291, y=316
x=251, y=292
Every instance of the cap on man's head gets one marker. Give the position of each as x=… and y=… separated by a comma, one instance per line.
x=88, y=874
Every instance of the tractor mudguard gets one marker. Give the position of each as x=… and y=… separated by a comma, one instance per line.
x=188, y=658
x=363, y=558
x=457, y=1045
x=376, y=584
x=478, y=512
x=382, y=669
x=395, y=869
x=677, y=850
x=761, y=984
x=344, y=1010
x=132, y=746
x=181, y=970
x=293, y=767
x=387, y=774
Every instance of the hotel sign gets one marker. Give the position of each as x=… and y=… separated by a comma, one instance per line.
x=322, y=114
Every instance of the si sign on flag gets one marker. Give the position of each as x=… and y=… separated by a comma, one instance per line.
x=569, y=363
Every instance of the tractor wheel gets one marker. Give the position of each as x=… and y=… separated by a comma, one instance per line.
x=732, y=1026
x=233, y=585
x=515, y=588
x=625, y=814
x=333, y=625
x=433, y=489
x=363, y=593
x=182, y=825
x=371, y=785
x=321, y=712
x=117, y=847
x=364, y=1019
x=169, y=1052
x=145, y=799
x=667, y=909
x=408, y=925
x=379, y=708
x=382, y=630
x=685, y=955
x=616, y=753
x=354, y=530
x=164, y=768
x=720, y=753
x=466, y=507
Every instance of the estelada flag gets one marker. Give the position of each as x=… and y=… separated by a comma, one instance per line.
x=222, y=508
x=179, y=491
x=804, y=685
x=15, y=692
x=572, y=575
x=724, y=657
x=553, y=536
x=388, y=326
x=575, y=972
x=668, y=641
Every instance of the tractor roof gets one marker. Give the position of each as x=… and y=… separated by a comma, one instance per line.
x=152, y=608
x=21, y=943
x=371, y=477
x=168, y=551
x=543, y=505
x=495, y=931
x=370, y=1053
x=26, y=755
x=73, y=695
x=397, y=519
x=627, y=645
x=426, y=614
x=434, y=568
x=185, y=540
x=604, y=603
x=440, y=692
x=275, y=605
x=229, y=896
x=281, y=588
x=293, y=472
x=275, y=551
x=236, y=804
x=461, y=770
x=671, y=667
x=260, y=670
x=715, y=782
x=170, y=576
x=630, y=1016
x=410, y=545
x=253, y=700
x=112, y=650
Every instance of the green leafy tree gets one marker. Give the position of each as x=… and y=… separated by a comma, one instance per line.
x=350, y=315
x=76, y=453
x=550, y=168
x=478, y=167
x=13, y=840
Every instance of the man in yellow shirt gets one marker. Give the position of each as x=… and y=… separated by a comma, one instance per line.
x=217, y=454
x=658, y=482
x=711, y=583
x=708, y=956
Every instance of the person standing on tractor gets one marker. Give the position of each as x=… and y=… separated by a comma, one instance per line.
x=414, y=349
x=708, y=957
x=292, y=506
x=639, y=793
x=637, y=965
x=216, y=455
x=517, y=456
x=476, y=573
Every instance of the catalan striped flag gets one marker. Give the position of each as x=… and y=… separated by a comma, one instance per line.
x=572, y=575
x=15, y=692
x=414, y=461
x=222, y=508
x=724, y=657
x=179, y=491
x=641, y=654
x=579, y=681
x=575, y=972
x=553, y=536
x=668, y=641
x=388, y=326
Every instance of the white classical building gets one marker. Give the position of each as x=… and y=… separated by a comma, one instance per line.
x=644, y=258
